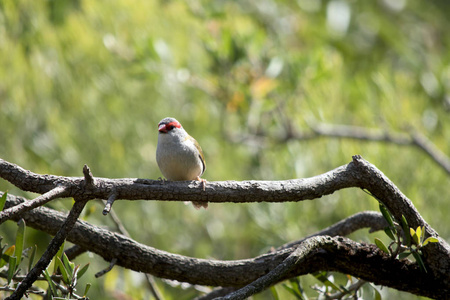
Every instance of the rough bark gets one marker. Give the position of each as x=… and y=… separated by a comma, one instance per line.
x=329, y=253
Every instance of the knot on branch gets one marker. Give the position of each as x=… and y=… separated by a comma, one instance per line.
x=357, y=158
x=89, y=181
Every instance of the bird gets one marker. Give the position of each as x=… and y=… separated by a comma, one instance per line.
x=179, y=155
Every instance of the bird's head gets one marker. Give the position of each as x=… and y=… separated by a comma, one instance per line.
x=167, y=125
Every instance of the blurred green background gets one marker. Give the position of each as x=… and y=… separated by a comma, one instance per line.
x=86, y=82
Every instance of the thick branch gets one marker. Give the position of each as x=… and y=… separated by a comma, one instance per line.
x=358, y=173
x=360, y=260
x=366, y=219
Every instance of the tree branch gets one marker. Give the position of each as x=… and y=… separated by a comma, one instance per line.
x=336, y=131
x=359, y=260
x=57, y=192
x=429, y=148
x=279, y=272
x=365, y=219
x=358, y=173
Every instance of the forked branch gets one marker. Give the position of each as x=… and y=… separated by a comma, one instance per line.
x=333, y=254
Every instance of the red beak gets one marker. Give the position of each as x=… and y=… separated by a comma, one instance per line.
x=162, y=128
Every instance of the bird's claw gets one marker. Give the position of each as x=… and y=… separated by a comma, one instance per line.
x=203, y=182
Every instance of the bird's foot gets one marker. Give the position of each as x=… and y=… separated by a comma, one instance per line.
x=203, y=182
x=198, y=205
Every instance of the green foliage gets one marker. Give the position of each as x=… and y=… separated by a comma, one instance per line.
x=86, y=82
x=31, y=259
x=405, y=228
x=381, y=245
x=7, y=254
x=409, y=242
x=295, y=288
x=70, y=273
x=3, y=200
x=51, y=284
x=64, y=270
x=352, y=288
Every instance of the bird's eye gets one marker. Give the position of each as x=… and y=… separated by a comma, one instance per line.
x=171, y=127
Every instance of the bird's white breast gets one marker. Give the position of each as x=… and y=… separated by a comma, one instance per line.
x=177, y=158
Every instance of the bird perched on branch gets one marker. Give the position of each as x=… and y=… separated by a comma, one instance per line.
x=179, y=156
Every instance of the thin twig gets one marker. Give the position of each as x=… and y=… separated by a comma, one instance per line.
x=65, y=291
x=109, y=268
x=22, y=277
x=30, y=291
x=74, y=251
x=153, y=287
x=354, y=287
x=115, y=218
x=149, y=278
x=429, y=148
x=109, y=203
x=57, y=192
x=350, y=132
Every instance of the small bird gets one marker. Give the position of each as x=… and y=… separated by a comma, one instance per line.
x=179, y=156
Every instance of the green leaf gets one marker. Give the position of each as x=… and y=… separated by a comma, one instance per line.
x=387, y=215
x=10, y=251
x=404, y=255
x=5, y=256
x=292, y=291
x=322, y=276
x=419, y=261
x=61, y=250
x=414, y=236
x=3, y=200
x=68, y=264
x=58, y=254
x=377, y=294
x=51, y=285
x=62, y=269
x=274, y=292
x=406, y=231
x=11, y=268
x=381, y=245
x=430, y=240
x=31, y=259
x=419, y=234
x=389, y=233
x=20, y=240
x=82, y=271
x=86, y=290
